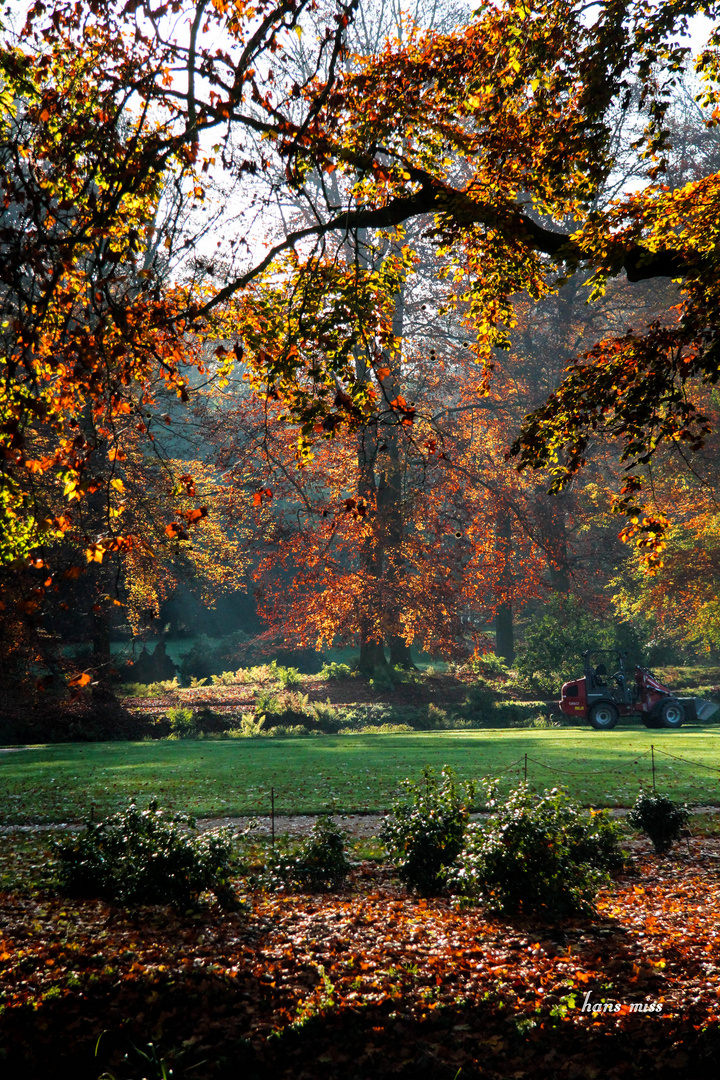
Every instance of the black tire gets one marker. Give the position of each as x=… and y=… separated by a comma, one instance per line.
x=671, y=713
x=603, y=715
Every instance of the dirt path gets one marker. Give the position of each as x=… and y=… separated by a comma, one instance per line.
x=356, y=825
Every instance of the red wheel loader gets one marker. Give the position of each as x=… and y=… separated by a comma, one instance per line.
x=603, y=699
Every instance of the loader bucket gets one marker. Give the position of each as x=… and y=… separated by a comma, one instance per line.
x=697, y=709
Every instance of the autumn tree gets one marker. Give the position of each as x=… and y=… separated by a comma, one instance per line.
x=496, y=134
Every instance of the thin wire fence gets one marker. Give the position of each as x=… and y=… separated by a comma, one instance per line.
x=521, y=767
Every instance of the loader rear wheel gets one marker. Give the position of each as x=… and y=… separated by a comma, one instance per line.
x=671, y=714
x=603, y=715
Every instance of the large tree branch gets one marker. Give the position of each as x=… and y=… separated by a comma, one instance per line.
x=434, y=197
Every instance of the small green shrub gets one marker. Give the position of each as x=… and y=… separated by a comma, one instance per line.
x=183, y=724
x=540, y=722
x=336, y=671
x=289, y=707
x=660, y=819
x=538, y=854
x=424, y=834
x=288, y=731
x=142, y=857
x=318, y=865
x=487, y=666
x=227, y=678
x=267, y=703
x=288, y=676
x=326, y=716
x=148, y=690
x=382, y=680
x=376, y=729
x=209, y=722
x=251, y=725
x=516, y=713
x=479, y=702
x=252, y=676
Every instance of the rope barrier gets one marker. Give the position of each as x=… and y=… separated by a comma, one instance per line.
x=589, y=772
x=586, y=773
x=698, y=764
x=506, y=768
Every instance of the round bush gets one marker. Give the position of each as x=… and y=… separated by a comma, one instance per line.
x=425, y=832
x=319, y=865
x=142, y=857
x=659, y=818
x=537, y=854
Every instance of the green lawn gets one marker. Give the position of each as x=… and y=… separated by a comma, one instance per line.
x=59, y=782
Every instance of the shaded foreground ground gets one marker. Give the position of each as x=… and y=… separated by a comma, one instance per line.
x=370, y=983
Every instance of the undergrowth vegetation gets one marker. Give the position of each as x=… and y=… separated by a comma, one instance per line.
x=537, y=854
x=144, y=857
x=424, y=833
x=319, y=864
x=662, y=820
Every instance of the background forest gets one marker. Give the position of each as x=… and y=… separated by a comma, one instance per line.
x=265, y=401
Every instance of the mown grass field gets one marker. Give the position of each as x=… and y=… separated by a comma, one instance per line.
x=59, y=783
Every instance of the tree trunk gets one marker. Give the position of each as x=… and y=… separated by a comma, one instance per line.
x=504, y=629
x=551, y=515
x=372, y=654
x=391, y=511
x=100, y=630
x=380, y=485
x=504, y=633
x=400, y=654
x=94, y=523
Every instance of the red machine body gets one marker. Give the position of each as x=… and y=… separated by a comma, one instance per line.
x=603, y=699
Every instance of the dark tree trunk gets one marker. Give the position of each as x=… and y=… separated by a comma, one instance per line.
x=504, y=629
x=372, y=654
x=380, y=485
x=391, y=510
x=400, y=654
x=504, y=633
x=551, y=514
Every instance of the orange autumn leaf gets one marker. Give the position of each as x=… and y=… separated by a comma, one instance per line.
x=80, y=680
x=197, y=514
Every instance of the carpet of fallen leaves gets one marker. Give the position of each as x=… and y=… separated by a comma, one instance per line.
x=369, y=983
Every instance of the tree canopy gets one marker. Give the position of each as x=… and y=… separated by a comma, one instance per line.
x=190, y=186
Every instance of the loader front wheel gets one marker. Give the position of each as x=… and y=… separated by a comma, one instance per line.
x=603, y=715
x=671, y=714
